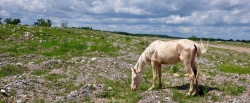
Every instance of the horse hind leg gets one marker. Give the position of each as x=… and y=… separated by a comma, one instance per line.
x=191, y=76
x=159, y=75
x=196, y=74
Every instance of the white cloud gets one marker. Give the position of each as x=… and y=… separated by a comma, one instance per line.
x=245, y=18
x=184, y=29
x=214, y=18
x=176, y=19
x=4, y=13
x=121, y=7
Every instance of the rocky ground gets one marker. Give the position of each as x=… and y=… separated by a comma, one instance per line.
x=100, y=78
x=26, y=87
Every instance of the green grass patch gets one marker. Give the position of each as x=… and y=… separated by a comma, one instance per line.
x=39, y=72
x=10, y=70
x=55, y=77
x=232, y=89
x=231, y=68
x=121, y=91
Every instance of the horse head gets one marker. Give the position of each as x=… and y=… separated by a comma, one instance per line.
x=136, y=79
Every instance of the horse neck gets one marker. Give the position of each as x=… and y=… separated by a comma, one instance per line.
x=140, y=65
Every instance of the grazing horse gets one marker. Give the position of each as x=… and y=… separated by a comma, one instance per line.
x=169, y=52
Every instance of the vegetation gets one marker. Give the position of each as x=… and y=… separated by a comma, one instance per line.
x=50, y=43
x=12, y=21
x=43, y=22
x=232, y=68
x=10, y=70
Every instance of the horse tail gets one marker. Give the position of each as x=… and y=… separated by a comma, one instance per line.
x=198, y=52
x=200, y=49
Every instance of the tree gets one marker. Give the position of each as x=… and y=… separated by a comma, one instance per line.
x=193, y=37
x=43, y=22
x=64, y=25
x=0, y=20
x=12, y=21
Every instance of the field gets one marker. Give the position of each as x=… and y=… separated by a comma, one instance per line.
x=44, y=65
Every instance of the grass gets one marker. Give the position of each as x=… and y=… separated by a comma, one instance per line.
x=39, y=72
x=10, y=70
x=232, y=89
x=65, y=44
x=232, y=68
x=55, y=42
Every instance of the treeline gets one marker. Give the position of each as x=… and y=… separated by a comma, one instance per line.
x=149, y=35
x=166, y=36
x=193, y=37
x=85, y=28
x=39, y=22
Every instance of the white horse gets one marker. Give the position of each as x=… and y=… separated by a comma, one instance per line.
x=170, y=52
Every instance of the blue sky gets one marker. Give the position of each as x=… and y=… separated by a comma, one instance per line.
x=226, y=19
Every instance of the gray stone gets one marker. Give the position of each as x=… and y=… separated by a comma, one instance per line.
x=19, y=64
x=110, y=88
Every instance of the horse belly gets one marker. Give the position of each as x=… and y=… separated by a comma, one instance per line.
x=169, y=58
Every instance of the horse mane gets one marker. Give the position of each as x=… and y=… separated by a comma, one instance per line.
x=140, y=65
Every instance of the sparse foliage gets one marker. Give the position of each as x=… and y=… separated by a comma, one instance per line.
x=193, y=37
x=43, y=22
x=12, y=21
x=64, y=25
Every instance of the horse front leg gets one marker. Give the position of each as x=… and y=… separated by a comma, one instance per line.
x=154, y=69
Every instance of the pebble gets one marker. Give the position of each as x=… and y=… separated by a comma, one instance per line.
x=19, y=64
x=72, y=94
x=82, y=61
x=176, y=75
x=89, y=85
x=8, y=89
x=3, y=91
x=110, y=88
x=30, y=63
x=93, y=59
x=167, y=99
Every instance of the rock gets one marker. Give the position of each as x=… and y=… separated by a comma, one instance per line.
x=235, y=101
x=57, y=71
x=110, y=88
x=19, y=101
x=176, y=74
x=93, y=59
x=167, y=99
x=82, y=61
x=90, y=85
x=72, y=94
x=19, y=64
x=8, y=89
x=27, y=34
x=3, y=91
x=30, y=63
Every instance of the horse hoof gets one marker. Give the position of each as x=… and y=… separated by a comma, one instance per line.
x=151, y=88
x=188, y=94
x=194, y=93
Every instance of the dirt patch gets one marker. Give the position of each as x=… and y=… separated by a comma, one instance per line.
x=238, y=49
